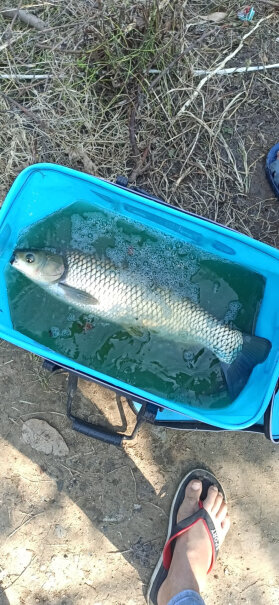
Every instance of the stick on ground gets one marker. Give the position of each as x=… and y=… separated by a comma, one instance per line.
x=235, y=70
x=25, y=76
x=27, y=112
x=26, y=17
x=221, y=65
x=183, y=54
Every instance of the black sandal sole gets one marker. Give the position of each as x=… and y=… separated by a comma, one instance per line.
x=207, y=479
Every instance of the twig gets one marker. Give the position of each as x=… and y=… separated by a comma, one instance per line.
x=250, y=585
x=155, y=506
x=275, y=4
x=140, y=168
x=41, y=412
x=26, y=17
x=68, y=51
x=12, y=41
x=140, y=158
x=117, y=469
x=183, y=54
x=119, y=552
x=221, y=65
x=122, y=552
x=135, y=484
x=20, y=574
x=24, y=400
x=25, y=76
x=232, y=70
x=24, y=523
x=71, y=470
x=132, y=134
x=31, y=115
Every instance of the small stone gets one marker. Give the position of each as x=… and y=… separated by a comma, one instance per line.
x=60, y=531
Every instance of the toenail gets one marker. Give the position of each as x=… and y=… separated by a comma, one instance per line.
x=196, y=485
x=214, y=488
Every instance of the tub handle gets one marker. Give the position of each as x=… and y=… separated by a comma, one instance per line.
x=146, y=414
x=96, y=432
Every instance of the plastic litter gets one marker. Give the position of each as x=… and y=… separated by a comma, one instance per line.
x=246, y=13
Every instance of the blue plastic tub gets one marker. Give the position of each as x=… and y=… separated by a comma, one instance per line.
x=43, y=189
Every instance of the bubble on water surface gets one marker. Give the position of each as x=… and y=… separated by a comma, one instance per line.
x=66, y=332
x=147, y=255
x=55, y=332
x=233, y=309
x=71, y=317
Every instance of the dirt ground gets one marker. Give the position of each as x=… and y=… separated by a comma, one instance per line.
x=87, y=528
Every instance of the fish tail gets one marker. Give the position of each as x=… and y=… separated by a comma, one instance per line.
x=254, y=350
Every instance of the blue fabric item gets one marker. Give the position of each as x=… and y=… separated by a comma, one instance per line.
x=187, y=597
x=272, y=168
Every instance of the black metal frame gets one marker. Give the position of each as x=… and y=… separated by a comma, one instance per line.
x=147, y=413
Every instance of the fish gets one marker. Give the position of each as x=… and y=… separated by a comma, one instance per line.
x=92, y=282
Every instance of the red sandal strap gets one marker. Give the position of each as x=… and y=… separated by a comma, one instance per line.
x=184, y=526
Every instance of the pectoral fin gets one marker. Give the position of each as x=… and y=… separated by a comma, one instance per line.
x=76, y=296
x=139, y=331
x=134, y=331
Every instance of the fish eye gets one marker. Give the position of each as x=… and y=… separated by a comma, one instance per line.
x=30, y=257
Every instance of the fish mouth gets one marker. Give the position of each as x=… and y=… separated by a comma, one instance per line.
x=12, y=259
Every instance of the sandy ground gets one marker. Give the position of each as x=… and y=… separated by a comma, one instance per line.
x=88, y=527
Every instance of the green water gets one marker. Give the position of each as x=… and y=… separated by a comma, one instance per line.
x=174, y=371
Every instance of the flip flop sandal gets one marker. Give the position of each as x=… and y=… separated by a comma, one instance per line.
x=177, y=529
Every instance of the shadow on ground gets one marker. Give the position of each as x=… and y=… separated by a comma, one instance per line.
x=126, y=493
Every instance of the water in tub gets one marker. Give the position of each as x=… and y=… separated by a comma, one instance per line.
x=137, y=305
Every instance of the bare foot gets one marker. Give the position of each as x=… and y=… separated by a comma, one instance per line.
x=193, y=552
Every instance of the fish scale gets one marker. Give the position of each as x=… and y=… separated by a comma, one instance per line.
x=132, y=304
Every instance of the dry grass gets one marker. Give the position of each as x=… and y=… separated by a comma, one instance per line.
x=100, y=109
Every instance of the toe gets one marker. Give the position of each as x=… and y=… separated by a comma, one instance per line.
x=190, y=503
x=225, y=526
x=217, y=504
x=193, y=490
x=222, y=513
x=210, y=498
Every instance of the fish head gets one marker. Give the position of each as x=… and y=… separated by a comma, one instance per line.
x=39, y=265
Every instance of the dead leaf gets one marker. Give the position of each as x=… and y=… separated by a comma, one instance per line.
x=43, y=437
x=138, y=23
x=79, y=155
x=215, y=17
